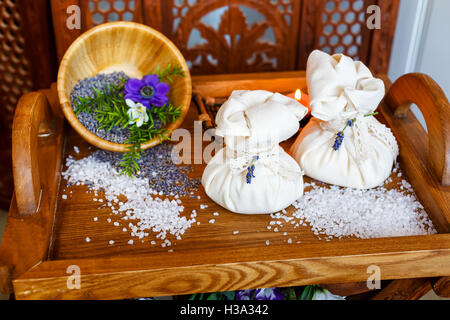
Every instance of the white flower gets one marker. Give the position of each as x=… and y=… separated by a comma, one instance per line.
x=323, y=294
x=137, y=113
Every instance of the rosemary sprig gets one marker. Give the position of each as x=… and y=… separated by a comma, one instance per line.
x=167, y=114
x=138, y=136
x=169, y=73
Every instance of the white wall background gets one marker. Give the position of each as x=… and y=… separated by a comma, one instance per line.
x=422, y=42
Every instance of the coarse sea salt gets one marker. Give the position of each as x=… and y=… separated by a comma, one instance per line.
x=376, y=213
x=147, y=212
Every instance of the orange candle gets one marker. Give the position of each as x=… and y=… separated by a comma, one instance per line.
x=302, y=98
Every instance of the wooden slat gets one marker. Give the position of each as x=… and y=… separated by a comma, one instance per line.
x=442, y=287
x=241, y=268
x=63, y=36
x=382, y=40
x=223, y=85
x=407, y=289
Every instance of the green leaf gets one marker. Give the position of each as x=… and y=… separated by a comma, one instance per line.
x=212, y=296
x=192, y=297
x=308, y=292
x=230, y=295
x=290, y=294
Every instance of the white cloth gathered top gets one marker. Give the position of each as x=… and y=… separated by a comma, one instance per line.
x=344, y=144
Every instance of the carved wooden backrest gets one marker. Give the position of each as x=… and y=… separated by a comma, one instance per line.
x=231, y=36
x=27, y=62
x=15, y=76
x=15, y=80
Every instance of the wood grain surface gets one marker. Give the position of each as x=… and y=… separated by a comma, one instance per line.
x=441, y=287
x=225, y=268
x=210, y=257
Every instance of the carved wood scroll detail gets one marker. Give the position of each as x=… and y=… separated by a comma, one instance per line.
x=235, y=36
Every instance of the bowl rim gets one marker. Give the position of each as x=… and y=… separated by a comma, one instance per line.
x=66, y=104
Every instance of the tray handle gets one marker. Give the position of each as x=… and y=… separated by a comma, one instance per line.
x=32, y=121
x=422, y=90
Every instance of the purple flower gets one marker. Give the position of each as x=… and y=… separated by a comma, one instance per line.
x=148, y=91
x=269, y=294
x=244, y=294
x=260, y=294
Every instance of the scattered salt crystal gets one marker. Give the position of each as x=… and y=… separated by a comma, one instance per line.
x=203, y=206
x=111, y=242
x=95, y=219
x=212, y=221
x=289, y=241
x=147, y=213
x=267, y=242
x=216, y=214
x=170, y=251
x=124, y=229
x=375, y=213
x=130, y=242
x=153, y=243
x=64, y=197
x=116, y=224
x=236, y=232
x=88, y=239
x=109, y=220
x=77, y=150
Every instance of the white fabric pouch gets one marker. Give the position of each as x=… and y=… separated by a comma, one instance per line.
x=344, y=97
x=253, y=174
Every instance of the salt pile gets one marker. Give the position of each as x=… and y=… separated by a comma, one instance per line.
x=144, y=211
x=336, y=212
x=157, y=166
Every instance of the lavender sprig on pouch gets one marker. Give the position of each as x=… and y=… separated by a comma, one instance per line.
x=251, y=170
x=340, y=135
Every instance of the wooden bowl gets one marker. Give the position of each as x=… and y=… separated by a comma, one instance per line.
x=132, y=48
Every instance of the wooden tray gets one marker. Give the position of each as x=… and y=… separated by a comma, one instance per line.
x=38, y=249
